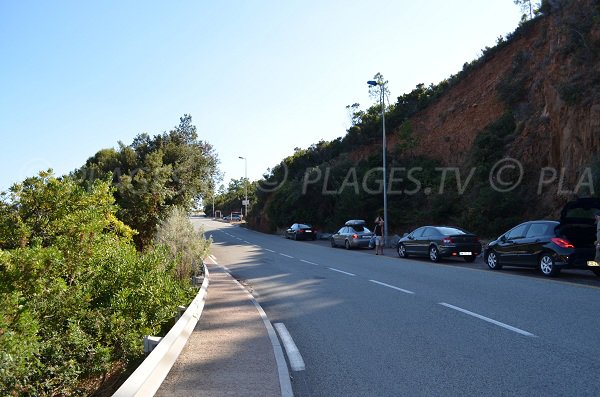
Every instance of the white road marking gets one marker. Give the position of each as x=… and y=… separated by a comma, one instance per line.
x=392, y=287
x=294, y=356
x=341, y=271
x=266, y=249
x=287, y=256
x=489, y=320
x=239, y=238
x=214, y=258
x=310, y=263
x=247, y=242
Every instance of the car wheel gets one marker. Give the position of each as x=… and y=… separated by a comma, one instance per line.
x=434, y=254
x=333, y=243
x=547, y=266
x=470, y=258
x=596, y=272
x=347, y=244
x=402, y=251
x=492, y=261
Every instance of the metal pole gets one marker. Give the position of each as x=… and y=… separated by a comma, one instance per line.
x=385, y=218
x=246, y=185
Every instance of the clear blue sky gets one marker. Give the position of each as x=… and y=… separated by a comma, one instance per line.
x=258, y=77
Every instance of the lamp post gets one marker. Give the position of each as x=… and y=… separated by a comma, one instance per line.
x=381, y=85
x=245, y=186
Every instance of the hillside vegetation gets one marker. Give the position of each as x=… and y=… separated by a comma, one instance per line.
x=512, y=136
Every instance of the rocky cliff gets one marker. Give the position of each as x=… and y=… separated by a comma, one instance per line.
x=548, y=78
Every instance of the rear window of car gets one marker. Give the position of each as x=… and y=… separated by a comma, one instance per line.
x=303, y=226
x=448, y=231
x=540, y=229
x=360, y=228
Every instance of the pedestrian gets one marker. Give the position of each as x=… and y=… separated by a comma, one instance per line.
x=378, y=230
x=597, y=258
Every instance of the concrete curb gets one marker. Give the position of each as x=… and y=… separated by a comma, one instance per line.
x=148, y=377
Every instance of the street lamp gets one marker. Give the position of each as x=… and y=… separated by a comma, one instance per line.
x=245, y=185
x=381, y=85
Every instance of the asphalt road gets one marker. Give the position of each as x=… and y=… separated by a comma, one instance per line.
x=369, y=325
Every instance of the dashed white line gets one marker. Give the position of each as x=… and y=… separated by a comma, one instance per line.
x=341, y=271
x=287, y=256
x=294, y=356
x=266, y=249
x=247, y=242
x=310, y=263
x=392, y=287
x=489, y=320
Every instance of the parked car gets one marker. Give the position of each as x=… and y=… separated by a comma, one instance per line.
x=300, y=231
x=437, y=242
x=550, y=245
x=354, y=234
x=232, y=218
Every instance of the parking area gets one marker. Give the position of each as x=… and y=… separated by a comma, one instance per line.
x=581, y=277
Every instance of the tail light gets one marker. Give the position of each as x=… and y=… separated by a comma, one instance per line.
x=447, y=240
x=561, y=242
x=355, y=236
x=301, y=231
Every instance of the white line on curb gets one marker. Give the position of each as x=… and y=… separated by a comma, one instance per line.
x=296, y=361
x=391, y=286
x=287, y=256
x=310, y=263
x=341, y=271
x=489, y=320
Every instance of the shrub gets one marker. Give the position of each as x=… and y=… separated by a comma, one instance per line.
x=185, y=245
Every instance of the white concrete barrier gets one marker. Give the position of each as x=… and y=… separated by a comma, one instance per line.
x=148, y=377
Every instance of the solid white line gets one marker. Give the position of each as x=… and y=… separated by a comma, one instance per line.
x=296, y=361
x=310, y=263
x=266, y=249
x=287, y=256
x=391, y=286
x=489, y=320
x=341, y=271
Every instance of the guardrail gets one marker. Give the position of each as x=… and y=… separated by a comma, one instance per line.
x=148, y=377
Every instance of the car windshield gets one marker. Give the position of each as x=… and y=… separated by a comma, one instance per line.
x=303, y=226
x=449, y=231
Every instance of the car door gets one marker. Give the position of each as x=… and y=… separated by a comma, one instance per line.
x=290, y=232
x=341, y=236
x=412, y=242
x=538, y=235
x=425, y=240
x=511, y=246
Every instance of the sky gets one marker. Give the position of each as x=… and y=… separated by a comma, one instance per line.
x=259, y=78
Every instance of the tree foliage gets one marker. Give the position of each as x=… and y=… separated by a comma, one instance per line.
x=154, y=174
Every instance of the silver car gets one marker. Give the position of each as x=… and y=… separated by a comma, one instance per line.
x=354, y=234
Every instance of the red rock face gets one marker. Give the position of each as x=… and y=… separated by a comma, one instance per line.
x=558, y=118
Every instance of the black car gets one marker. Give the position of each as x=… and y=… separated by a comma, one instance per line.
x=550, y=245
x=300, y=231
x=437, y=242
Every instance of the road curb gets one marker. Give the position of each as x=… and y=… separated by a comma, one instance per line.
x=150, y=374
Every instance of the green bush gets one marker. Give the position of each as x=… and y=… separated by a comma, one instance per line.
x=76, y=297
